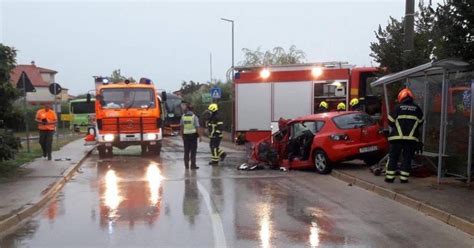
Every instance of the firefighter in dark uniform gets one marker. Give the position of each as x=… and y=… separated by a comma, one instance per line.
x=355, y=105
x=214, y=125
x=190, y=133
x=405, y=121
x=323, y=107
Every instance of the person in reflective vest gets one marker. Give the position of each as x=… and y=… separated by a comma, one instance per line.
x=46, y=119
x=215, y=135
x=189, y=130
x=404, y=138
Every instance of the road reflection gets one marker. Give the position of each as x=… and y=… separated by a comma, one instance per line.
x=265, y=224
x=191, y=197
x=129, y=194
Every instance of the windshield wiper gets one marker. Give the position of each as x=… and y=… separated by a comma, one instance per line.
x=132, y=103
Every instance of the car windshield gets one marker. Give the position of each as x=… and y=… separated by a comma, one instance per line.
x=128, y=98
x=82, y=107
x=355, y=120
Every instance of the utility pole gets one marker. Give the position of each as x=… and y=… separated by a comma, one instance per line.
x=409, y=25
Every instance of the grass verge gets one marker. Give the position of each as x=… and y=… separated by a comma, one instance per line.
x=12, y=168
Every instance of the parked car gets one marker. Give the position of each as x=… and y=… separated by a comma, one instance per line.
x=322, y=140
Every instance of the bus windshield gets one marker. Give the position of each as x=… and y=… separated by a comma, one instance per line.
x=128, y=98
x=173, y=106
x=82, y=107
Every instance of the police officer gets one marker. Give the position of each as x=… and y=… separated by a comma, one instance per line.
x=404, y=121
x=46, y=119
x=355, y=105
x=323, y=107
x=341, y=107
x=190, y=132
x=215, y=135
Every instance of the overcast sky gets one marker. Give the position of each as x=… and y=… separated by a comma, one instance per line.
x=171, y=41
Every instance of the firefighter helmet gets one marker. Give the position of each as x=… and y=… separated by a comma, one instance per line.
x=404, y=94
x=354, y=102
x=213, y=107
x=341, y=106
x=324, y=104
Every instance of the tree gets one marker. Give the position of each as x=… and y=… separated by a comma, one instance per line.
x=190, y=87
x=117, y=76
x=276, y=56
x=9, y=116
x=454, y=30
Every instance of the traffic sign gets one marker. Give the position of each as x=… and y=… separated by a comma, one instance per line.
x=216, y=92
x=206, y=98
x=55, y=89
x=25, y=83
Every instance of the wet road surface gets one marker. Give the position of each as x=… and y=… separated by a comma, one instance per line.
x=131, y=201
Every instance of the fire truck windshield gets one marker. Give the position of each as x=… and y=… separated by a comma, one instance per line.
x=127, y=98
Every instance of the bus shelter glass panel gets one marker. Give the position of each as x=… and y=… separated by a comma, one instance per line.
x=458, y=118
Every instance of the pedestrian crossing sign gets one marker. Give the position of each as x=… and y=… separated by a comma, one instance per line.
x=216, y=93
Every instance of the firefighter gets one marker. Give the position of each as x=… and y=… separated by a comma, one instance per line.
x=355, y=105
x=341, y=107
x=404, y=121
x=46, y=119
x=190, y=132
x=215, y=135
x=323, y=107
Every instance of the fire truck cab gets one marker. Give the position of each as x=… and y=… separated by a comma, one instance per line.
x=266, y=94
x=127, y=114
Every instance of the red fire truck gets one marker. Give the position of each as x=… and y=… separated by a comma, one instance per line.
x=265, y=94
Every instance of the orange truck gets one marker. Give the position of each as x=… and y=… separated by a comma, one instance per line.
x=127, y=114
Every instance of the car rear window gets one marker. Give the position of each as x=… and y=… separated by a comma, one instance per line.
x=355, y=120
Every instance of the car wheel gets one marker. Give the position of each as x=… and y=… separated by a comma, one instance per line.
x=322, y=163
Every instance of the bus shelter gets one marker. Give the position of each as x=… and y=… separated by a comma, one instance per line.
x=443, y=89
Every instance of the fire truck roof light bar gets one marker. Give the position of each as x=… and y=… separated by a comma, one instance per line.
x=331, y=64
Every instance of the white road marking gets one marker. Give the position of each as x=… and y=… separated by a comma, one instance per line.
x=217, y=227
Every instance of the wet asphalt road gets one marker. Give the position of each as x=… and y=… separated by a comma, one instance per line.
x=131, y=201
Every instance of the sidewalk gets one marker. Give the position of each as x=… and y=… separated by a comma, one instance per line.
x=451, y=202
x=41, y=178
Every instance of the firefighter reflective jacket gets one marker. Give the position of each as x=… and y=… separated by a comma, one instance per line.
x=189, y=127
x=46, y=120
x=215, y=126
x=405, y=121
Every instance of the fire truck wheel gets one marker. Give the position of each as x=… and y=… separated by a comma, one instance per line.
x=101, y=150
x=110, y=152
x=144, y=150
x=158, y=148
x=321, y=162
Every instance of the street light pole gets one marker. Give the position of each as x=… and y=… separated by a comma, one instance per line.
x=232, y=22
x=233, y=78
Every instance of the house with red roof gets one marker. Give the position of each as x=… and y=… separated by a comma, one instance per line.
x=41, y=78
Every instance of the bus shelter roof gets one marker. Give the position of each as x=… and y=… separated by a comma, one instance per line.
x=445, y=64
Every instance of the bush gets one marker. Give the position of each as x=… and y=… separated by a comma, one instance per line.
x=9, y=145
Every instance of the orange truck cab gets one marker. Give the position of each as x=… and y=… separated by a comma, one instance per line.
x=127, y=114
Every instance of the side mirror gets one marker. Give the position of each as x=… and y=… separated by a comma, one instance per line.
x=89, y=97
x=164, y=97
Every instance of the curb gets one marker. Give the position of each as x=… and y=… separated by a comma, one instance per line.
x=450, y=219
x=49, y=193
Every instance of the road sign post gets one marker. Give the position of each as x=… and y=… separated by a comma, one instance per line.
x=26, y=87
x=55, y=89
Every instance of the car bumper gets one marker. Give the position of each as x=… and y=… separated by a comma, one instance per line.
x=347, y=151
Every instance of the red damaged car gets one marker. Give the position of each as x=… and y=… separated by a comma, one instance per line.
x=319, y=141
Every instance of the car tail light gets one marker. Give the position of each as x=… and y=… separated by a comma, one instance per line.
x=339, y=137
